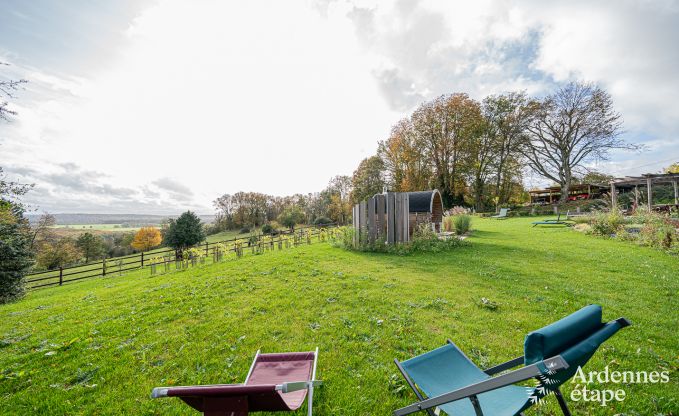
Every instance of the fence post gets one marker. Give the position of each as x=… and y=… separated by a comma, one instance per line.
x=206, y=249
x=142, y=259
x=103, y=266
x=61, y=275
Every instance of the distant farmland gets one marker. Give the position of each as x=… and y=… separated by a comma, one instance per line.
x=134, y=220
x=99, y=227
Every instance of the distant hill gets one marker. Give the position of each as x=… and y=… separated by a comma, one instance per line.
x=135, y=219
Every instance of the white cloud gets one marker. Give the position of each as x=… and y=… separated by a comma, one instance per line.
x=220, y=97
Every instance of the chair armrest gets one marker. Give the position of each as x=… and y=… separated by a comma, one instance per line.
x=551, y=364
x=504, y=366
x=216, y=390
x=297, y=385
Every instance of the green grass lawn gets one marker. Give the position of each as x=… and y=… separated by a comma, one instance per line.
x=100, y=346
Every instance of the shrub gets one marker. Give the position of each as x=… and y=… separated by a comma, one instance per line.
x=448, y=224
x=244, y=230
x=291, y=216
x=583, y=228
x=268, y=229
x=322, y=221
x=458, y=210
x=607, y=224
x=462, y=223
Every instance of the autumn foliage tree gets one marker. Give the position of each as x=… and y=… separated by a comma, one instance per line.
x=146, y=238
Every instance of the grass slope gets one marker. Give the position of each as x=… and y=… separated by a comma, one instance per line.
x=98, y=347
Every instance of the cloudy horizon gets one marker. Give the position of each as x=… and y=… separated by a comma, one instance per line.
x=157, y=107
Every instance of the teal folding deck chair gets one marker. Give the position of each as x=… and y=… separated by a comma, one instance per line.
x=502, y=215
x=453, y=383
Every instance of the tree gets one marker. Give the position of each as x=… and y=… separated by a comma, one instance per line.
x=441, y=127
x=184, y=232
x=368, y=179
x=337, y=198
x=147, y=238
x=60, y=253
x=291, y=216
x=506, y=118
x=42, y=230
x=596, y=178
x=406, y=167
x=15, y=239
x=91, y=246
x=15, y=252
x=7, y=89
x=574, y=125
x=673, y=168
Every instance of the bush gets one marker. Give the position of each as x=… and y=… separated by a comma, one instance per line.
x=448, y=224
x=462, y=223
x=291, y=216
x=244, y=230
x=607, y=223
x=322, y=221
x=458, y=210
x=268, y=229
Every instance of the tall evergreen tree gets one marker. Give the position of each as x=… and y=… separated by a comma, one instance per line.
x=184, y=232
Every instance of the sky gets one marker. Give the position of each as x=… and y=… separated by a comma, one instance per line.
x=155, y=107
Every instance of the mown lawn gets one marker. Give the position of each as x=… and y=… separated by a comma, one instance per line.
x=100, y=346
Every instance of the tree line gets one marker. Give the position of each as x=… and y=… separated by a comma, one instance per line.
x=477, y=152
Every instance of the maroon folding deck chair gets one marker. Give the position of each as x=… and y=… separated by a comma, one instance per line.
x=275, y=382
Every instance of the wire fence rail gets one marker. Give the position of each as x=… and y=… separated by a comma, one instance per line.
x=199, y=254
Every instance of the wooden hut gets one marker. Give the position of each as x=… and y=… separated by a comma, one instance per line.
x=392, y=217
x=425, y=207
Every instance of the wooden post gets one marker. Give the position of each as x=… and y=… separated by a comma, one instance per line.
x=398, y=217
x=103, y=266
x=354, y=220
x=381, y=218
x=650, y=194
x=61, y=275
x=614, y=198
x=372, y=225
x=206, y=248
x=142, y=259
x=636, y=197
x=390, y=218
x=676, y=193
x=362, y=220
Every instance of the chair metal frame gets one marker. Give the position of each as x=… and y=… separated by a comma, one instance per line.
x=553, y=364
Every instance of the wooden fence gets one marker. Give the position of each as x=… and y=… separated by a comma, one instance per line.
x=118, y=265
x=384, y=217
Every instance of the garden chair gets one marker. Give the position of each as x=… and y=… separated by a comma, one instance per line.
x=502, y=215
x=557, y=221
x=453, y=383
x=275, y=382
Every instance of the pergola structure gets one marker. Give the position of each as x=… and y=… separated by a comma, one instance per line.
x=647, y=180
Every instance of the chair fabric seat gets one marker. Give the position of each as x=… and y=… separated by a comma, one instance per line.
x=446, y=369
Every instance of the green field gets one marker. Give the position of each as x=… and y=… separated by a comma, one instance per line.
x=97, y=227
x=100, y=346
